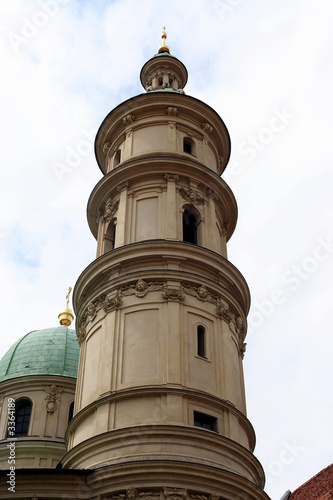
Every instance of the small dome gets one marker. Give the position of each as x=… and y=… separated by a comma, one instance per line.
x=53, y=351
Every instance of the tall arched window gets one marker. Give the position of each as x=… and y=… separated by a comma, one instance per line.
x=201, y=341
x=23, y=409
x=70, y=411
x=189, y=227
x=110, y=236
x=117, y=158
x=189, y=146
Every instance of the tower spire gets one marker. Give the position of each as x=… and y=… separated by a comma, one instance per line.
x=66, y=316
x=163, y=47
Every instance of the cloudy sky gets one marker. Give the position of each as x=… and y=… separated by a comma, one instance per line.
x=266, y=67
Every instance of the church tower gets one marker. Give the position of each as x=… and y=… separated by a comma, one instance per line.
x=161, y=313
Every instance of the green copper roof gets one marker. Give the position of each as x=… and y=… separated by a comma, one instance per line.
x=53, y=351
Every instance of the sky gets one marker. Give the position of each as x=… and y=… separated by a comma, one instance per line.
x=266, y=67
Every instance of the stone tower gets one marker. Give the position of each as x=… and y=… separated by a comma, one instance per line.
x=161, y=313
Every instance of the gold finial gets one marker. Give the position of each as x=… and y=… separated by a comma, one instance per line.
x=67, y=316
x=163, y=47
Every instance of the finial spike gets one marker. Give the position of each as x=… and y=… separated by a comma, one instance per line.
x=163, y=47
x=67, y=316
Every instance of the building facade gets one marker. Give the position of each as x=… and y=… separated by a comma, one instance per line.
x=160, y=406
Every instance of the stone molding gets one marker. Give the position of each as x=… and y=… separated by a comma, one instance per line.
x=141, y=288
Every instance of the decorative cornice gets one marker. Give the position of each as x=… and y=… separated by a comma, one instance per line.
x=141, y=288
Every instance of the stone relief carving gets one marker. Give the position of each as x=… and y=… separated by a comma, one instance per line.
x=109, y=210
x=173, y=177
x=207, y=128
x=242, y=348
x=173, y=294
x=106, y=147
x=170, y=111
x=141, y=288
x=191, y=196
x=129, y=119
x=82, y=333
x=111, y=303
x=121, y=187
x=200, y=292
x=174, y=493
x=52, y=397
x=224, y=312
x=221, y=161
x=211, y=194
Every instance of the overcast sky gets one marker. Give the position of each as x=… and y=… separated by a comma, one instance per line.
x=266, y=67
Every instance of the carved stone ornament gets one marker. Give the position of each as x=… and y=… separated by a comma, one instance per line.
x=106, y=147
x=141, y=288
x=175, y=493
x=131, y=494
x=235, y=322
x=172, y=177
x=121, y=187
x=81, y=334
x=111, y=303
x=207, y=128
x=225, y=229
x=211, y=194
x=191, y=196
x=170, y=111
x=52, y=397
x=242, y=348
x=201, y=293
x=173, y=294
x=221, y=161
x=128, y=119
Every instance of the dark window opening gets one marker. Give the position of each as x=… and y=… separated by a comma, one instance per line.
x=205, y=421
x=189, y=227
x=22, y=417
x=189, y=146
x=160, y=81
x=201, y=341
x=70, y=411
x=109, y=237
x=117, y=158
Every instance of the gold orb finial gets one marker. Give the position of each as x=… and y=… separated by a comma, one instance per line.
x=66, y=316
x=163, y=47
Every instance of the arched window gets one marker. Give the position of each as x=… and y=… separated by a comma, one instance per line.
x=189, y=146
x=117, y=158
x=70, y=411
x=110, y=236
x=189, y=227
x=201, y=341
x=23, y=409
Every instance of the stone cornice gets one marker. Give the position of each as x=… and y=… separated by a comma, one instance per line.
x=139, y=170
x=153, y=105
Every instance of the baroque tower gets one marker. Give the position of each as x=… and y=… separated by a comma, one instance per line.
x=161, y=313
